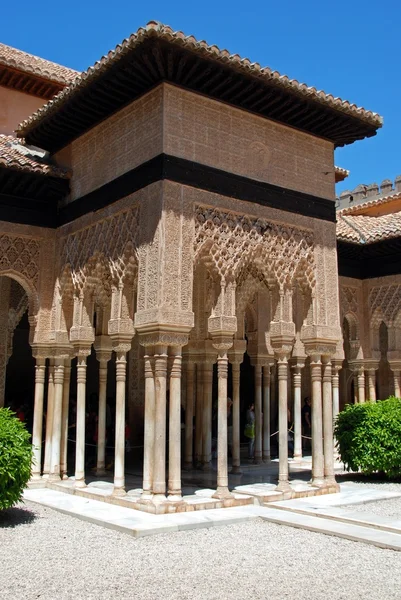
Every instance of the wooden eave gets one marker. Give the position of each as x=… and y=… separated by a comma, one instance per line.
x=155, y=61
x=28, y=83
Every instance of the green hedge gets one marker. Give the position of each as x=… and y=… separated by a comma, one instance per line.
x=15, y=458
x=369, y=437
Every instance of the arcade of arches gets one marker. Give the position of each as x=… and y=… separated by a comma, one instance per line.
x=174, y=244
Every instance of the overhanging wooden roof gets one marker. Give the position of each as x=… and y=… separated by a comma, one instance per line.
x=155, y=54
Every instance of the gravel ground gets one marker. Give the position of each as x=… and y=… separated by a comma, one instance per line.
x=384, y=508
x=48, y=555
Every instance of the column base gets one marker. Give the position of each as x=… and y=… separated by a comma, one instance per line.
x=64, y=476
x=297, y=457
x=54, y=477
x=267, y=458
x=257, y=460
x=118, y=491
x=207, y=466
x=35, y=477
x=317, y=482
x=101, y=472
x=283, y=486
x=222, y=493
x=158, y=498
x=79, y=483
x=236, y=470
x=175, y=498
x=188, y=466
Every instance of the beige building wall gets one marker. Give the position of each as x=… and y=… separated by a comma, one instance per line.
x=127, y=139
x=190, y=126
x=216, y=134
x=15, y=107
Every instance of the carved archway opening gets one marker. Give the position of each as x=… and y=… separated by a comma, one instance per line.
x=16, y=361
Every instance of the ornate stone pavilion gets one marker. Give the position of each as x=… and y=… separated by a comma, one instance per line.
x=169, y=225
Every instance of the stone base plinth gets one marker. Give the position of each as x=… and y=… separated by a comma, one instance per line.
x=262, y=493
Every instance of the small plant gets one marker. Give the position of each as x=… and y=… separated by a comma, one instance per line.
x=15, y=458
x=369, y=437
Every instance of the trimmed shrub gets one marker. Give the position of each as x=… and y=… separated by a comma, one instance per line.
x=369, y=437
x=15, y=458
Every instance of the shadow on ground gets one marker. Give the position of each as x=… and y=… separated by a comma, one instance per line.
x=13, y=517
x=360, y=478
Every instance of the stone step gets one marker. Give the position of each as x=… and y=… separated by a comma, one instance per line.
x=319, y=524
x=363, y=519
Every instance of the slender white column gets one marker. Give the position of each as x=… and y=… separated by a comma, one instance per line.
x=397, y=383
x=101, y=423
x=81, y=417
x=335, y=382
x=222, y=468
x=317, y=429
x=371, y=384
x=54, y=474
x=49, y=418
x=266, y=413
x=40, y=373
x=119, y=456
x=361, y=385
x=64, y=419
x=296, y=381
x=159, y=473
x=149, y=428
x=236, y=467
x=174, y=462
x=207, y=416
x=198, y=413
x=189, y=416
x=258, y=413
x=328, y=439
x=282, y=374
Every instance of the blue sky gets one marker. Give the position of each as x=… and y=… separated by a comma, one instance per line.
x=350, y=49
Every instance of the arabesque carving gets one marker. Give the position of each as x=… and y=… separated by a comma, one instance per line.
x=20, y=254
x=229, y=243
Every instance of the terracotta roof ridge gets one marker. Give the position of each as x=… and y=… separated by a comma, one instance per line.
x=363, y=239
x=350, y=210
x=156, y=29
x=16, y=155
x=35, y=65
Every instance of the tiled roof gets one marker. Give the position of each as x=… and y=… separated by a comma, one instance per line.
x=357, y=208
x=22, y=61
x=364, y=229
x=17, y=156
x=211, y=52
x=340, y=174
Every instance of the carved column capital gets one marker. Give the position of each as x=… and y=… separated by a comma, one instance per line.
x=163, y=338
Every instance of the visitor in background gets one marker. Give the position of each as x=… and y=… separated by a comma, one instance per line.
x=250, y=430
x=306, y=423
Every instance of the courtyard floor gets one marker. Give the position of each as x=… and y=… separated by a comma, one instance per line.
x=48, y=555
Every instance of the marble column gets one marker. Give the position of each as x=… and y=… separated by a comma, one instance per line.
x=189, y=416
x=82, y=355
x=103, y=350
x=317, y=428
x=207, y=415
x=258, y=412
x=328, y=440
x=282, y=375
x=335, y=382
x=159, y=458
x=54, y=473
x=236, y=465
x=355, y=378
x=119, y=444
x=296, y=367
x=222, y=491
x=198, y=413
x=49, y=418
x=64, y=419
x=40, y=375
x=266, y=413
x=361, y=384
x=174, y=459
x=396, y=369
x=149, y=424
x=371, y=372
